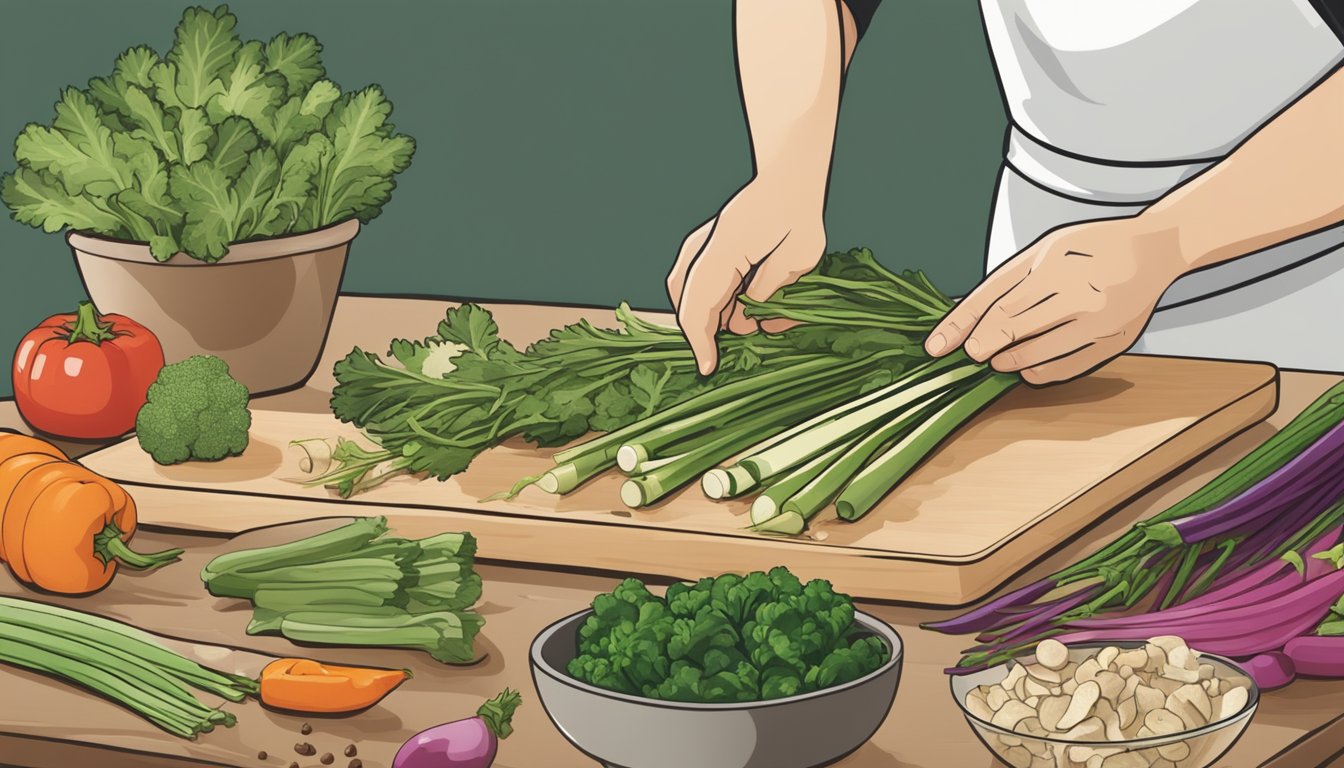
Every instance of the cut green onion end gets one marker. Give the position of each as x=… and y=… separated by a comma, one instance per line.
x=762, y=509
x=716, y=484
x=630, y=456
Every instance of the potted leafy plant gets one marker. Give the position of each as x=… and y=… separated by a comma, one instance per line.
x=212, y=194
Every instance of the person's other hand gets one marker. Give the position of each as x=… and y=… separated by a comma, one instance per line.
x=1067, y=304
x=761, y=240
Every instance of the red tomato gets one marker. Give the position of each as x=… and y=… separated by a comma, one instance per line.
x=85, y=375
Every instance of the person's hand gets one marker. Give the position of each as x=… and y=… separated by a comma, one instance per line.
x=1067, y=304
x=763, y=239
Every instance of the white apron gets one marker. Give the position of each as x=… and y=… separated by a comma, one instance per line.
x=1112, y=103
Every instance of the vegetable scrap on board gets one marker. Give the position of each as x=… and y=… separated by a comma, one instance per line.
x=194, y=411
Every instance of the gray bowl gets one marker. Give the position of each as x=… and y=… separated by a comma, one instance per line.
x=623, y=731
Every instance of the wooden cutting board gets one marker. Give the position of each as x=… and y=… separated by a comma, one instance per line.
x=1032, y=470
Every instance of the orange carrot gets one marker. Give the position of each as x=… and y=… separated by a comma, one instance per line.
x=303, y=685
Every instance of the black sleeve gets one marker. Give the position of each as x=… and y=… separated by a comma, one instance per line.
x=1332, y=13
x=862, y=11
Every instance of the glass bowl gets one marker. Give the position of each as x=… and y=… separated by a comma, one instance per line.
x=1196, y=748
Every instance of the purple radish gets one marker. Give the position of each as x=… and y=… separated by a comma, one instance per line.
x=1271, y=670
x=1317, y=656
x=467, y=743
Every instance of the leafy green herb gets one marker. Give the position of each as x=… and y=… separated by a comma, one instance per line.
x=219, y=142
x=441, y=401
x=727, y=639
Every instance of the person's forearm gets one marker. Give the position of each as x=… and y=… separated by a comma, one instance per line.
x=1286, y=181
x=790, y=55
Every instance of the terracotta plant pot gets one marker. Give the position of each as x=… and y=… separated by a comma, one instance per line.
x=264, y=308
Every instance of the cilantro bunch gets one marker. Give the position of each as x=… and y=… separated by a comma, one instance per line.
x=219, y=142
x=440, y=401
x=727, y=639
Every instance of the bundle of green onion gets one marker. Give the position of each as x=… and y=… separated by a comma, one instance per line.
x=812, y=433
x=120, y=662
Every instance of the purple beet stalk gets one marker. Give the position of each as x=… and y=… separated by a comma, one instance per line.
x=1245, y=630
x=1042, y=620
x=1321, y=463
x=1265, y=582
x=985, y=616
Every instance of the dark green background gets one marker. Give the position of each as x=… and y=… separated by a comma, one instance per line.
x=564, y=146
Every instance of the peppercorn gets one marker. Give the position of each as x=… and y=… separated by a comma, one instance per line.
x=305, y=749
x=350, y=751
x=327, y=758
x=306, y=729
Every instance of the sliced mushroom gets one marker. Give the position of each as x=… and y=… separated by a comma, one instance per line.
x=1105, y=711
x=997, y=697
x=1167, y=642
x=1163, y=722
x=1132, y=684
x=1157, y=658
x=1186, y=711
x=1180, y=674
x=1134, y=659
x=1051, y=710
x=1035, y=688
x=1044, y=674
x=1087, y=671
x=1232, y=702
x=978, y=706
x=1148, y=699
x=1052, y=654
x=1082, y=703
x=1128, y=712
x=1196, y=696
x=1181, y=658
x=1166, y=685
x=1012, y=713
x=1106, y=657
x=1111, y=684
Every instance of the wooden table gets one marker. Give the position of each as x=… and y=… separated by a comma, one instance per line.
x=1297, y=727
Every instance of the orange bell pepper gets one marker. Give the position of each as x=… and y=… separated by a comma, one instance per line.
x=63, y=528
x=303, y=685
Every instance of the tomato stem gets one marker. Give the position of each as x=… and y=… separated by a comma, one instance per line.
x=107, y=545
x=88, y=326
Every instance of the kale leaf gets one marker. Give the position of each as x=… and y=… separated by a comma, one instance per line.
x=218, y=142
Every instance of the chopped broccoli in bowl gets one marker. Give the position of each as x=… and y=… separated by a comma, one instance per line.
x=727, y=639
x=194, y=411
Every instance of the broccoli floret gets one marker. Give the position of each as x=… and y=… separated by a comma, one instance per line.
x=729, y=639
x=194, y=410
